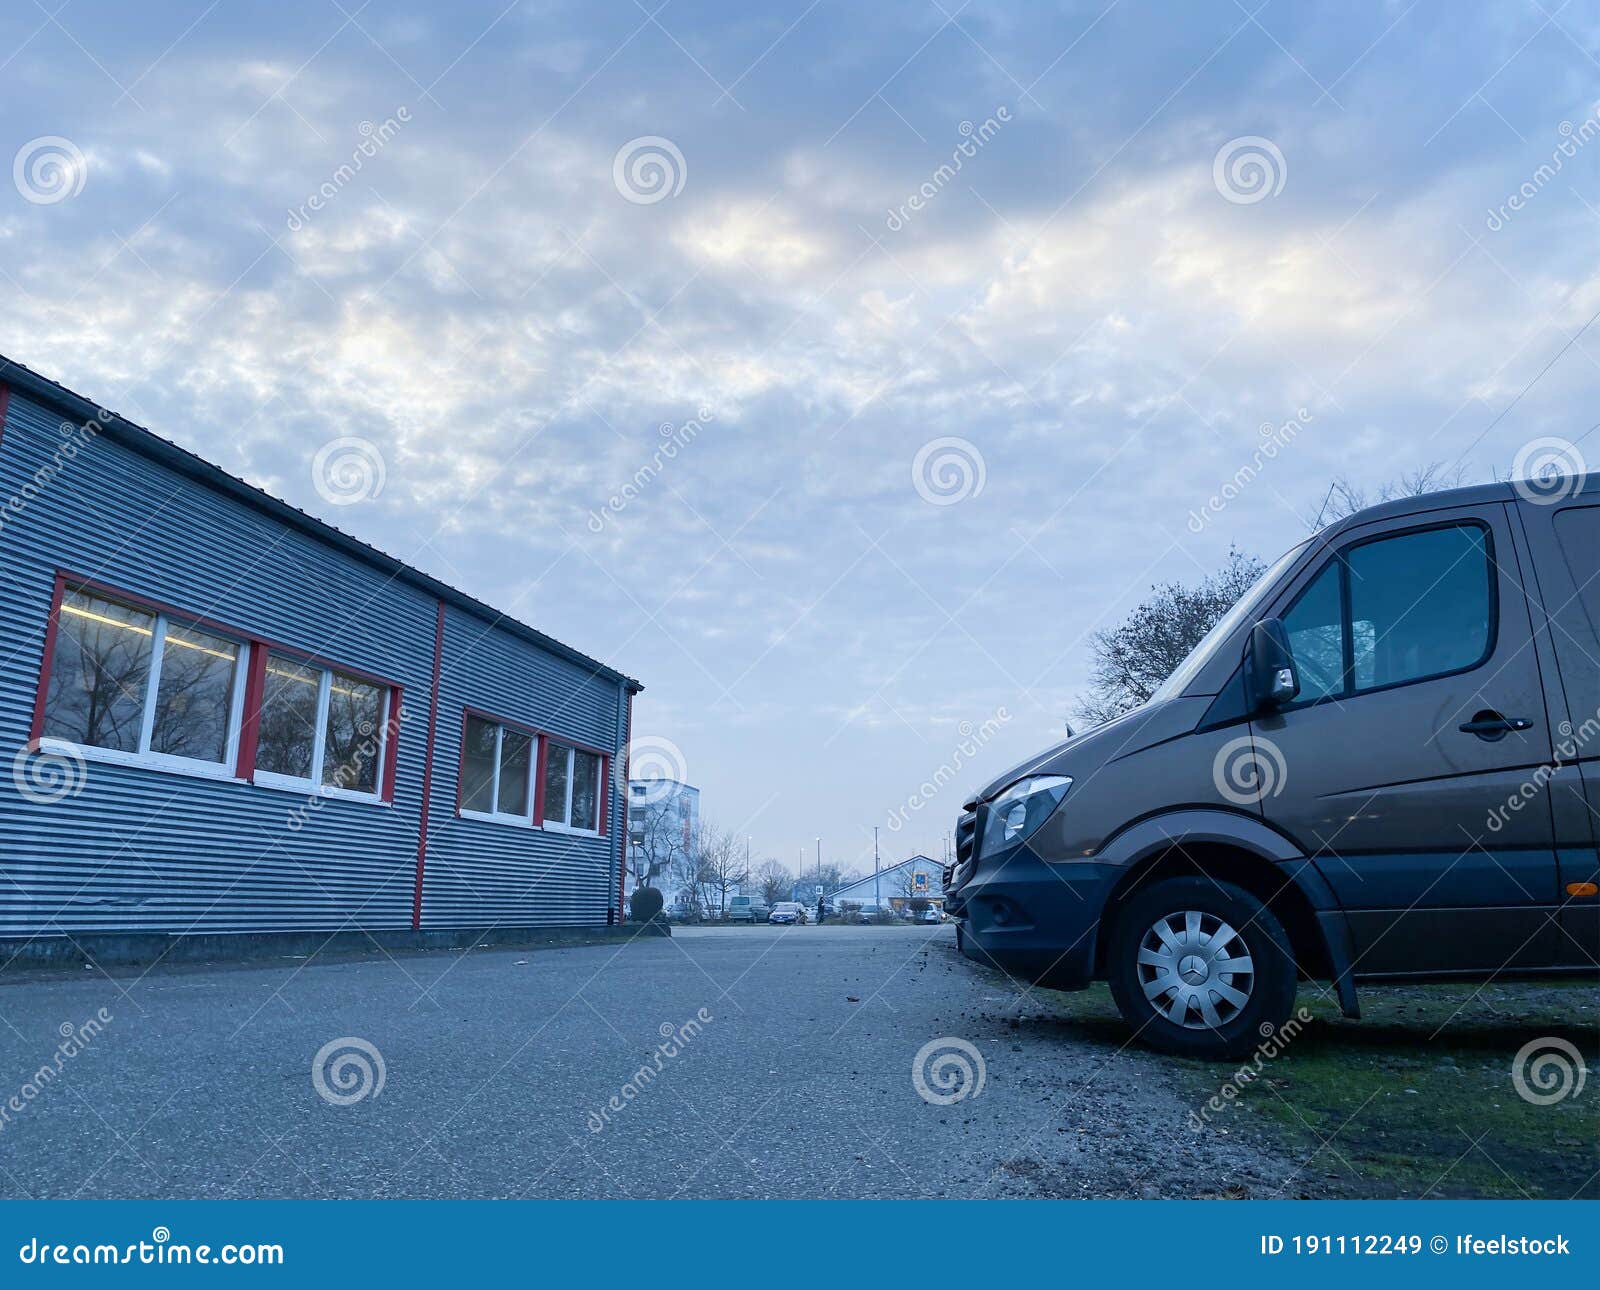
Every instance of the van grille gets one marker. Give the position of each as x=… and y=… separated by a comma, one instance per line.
x=966, y=832
x=966, y=837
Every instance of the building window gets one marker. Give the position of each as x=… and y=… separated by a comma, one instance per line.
x=497, y=770
x=571, y=787
x=515, y=776
x=321, y=729
x=139, y=686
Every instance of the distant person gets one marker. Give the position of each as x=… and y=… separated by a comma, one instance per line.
x=820, y=914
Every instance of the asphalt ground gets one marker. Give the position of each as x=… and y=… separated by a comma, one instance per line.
x=724, y=1062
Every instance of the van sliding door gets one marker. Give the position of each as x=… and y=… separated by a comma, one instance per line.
x=1564, y=541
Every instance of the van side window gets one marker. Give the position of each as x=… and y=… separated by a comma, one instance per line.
x=1316, y=637
x=1399, y=609
x=1420, y=605
x=1578, y=531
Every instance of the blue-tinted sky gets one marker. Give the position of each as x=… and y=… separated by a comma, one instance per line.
x=1104, y=310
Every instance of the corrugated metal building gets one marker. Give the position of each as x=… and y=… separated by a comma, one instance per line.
x=221, y=715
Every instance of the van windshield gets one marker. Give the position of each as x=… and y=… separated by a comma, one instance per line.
x=1245, y=606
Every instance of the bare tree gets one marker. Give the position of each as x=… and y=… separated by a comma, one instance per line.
x=773, y=881
x=1130, y=662
x=659, y=843
x=1344, y=498
x=719, y=867
x=832, y=877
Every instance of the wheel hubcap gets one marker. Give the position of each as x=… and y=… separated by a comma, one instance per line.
x=1195, y=969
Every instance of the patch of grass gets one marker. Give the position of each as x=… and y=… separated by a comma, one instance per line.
x=1417, y=1099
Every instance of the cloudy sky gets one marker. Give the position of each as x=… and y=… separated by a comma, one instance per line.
x=834, y=368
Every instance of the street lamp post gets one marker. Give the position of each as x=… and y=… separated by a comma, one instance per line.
x=877, y=900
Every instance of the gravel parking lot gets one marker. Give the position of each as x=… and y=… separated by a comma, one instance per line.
x=499, y=1069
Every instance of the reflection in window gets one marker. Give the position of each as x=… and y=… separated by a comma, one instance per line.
x=477, y=765
x=290, y=702
x=99, y=673
x=516, y=772
x=571, y=787
x=194, y=694
x=1419, y=605
x=585, y=791
x=321, y=727
x=134, y=681
x=353, y=741
x=497, y=770
x=556, y=783
x=1316, y=637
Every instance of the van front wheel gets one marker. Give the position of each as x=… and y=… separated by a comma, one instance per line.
x=1201, y=968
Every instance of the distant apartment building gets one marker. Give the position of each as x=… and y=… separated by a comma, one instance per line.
x=663, y=818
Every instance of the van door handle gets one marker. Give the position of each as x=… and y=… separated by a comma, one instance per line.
x=1490, y=725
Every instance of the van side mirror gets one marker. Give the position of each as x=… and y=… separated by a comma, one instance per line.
x=1273, y=678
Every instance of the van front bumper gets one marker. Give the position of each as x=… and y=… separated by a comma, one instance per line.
x=1033, y=920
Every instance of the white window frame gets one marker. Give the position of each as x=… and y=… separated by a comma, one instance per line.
x=557, y=826
x=314, y=785
x=494, y=815
x=146, y=757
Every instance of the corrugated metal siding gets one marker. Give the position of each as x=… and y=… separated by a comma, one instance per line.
x=480, y=872
x=143, y=850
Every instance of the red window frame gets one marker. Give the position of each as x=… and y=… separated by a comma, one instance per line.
x=257, y=648
x=543, y=739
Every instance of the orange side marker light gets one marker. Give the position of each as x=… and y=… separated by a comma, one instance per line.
x=1583, y=889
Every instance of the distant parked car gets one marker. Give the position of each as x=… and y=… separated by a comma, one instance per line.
x=930, y=915
x=747, y=909
x=787, y=911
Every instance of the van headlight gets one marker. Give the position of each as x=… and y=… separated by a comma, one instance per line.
x=1016, y=814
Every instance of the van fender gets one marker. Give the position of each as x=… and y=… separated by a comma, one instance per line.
x=1143, y=839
